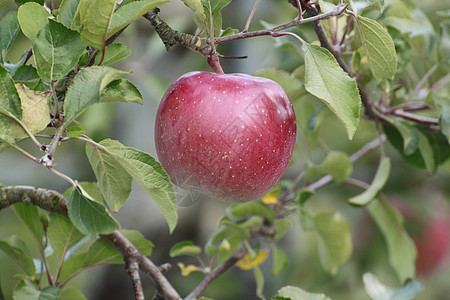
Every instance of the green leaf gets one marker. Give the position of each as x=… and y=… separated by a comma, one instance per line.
x=292, y=86
x=76, y=130
x=358, y=6
x=9, y=98
x=9, y=28
x=72, y=266
x=35, y=111
x=138, y=240
x=197, y=7
x=32, y=17
x=50, y=293
x=336, y=163
x=26, y=290
x=21, y=2
x=24, y=260
x=29, y=214
x=6, y=133
x=379, y=48
x=28, y=76
x=302, y=195
x=259, y=279
x=426, y=151
x=72, y=294
x=325, y=79
x=415, y=24
x=281, y=227
x=62, y=235
x=90, y=188
x=212, y=246
x=86, y=89
x=215, y=7
x=121, y=90
x=433, y=148
x=410, y=137
x=113, y=52
x=112, y=179
x=185, y=248
x=102, y=252
x=90, y=218
x=378, y=291
x=335, y=243
x=130, y=12
x=444, y=119
x=378, y=183
x=149, y=173
x=56, y=50
x=83, y=9
x=295, y=293
x=402, y=252
x=255, y=208
x=280, y=261
x=67, y=12
x=96, y=22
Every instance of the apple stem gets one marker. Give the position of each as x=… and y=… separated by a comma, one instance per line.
x=214, y=63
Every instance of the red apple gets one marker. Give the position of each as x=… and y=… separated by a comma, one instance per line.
x=227, y=135
x=433, y=246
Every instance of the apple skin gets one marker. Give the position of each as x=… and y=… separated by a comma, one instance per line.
x=230, y=136
x=433, y=246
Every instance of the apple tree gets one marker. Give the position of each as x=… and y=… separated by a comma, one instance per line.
x=312, y=159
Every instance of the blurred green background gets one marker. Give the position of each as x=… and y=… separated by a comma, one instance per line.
x=420, y=197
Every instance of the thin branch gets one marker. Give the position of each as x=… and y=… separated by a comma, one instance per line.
x=53, y=201
x=30, y=156
x=243, y=35
x=132, y=268
x=127, y=249
x=220, y=269
x=250, y=17
x=369, y=147
x=416, y=118
x=430, y=72
x=171, y=37
x=357, y=183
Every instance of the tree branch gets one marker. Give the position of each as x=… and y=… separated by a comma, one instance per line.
x=220, y=269
x=354, y=157
x=171, y=37
x=53, y=201
x=288, y=196
x=132, y=267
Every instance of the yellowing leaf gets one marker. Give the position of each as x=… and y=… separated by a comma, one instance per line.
x=271, y=198
x=35, y=111
x=246, y=263
x=186, y=270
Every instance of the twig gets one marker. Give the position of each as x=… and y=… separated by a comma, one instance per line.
x=53, y=201
x=354, y=157
x=416, y=118
x=132, y=268
x=47, y=159
x=289, y=194
x=427, y=75
x=220, y=269
x=250, y=17
x=243, y=35
x=171, y=37
x=127, y=249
